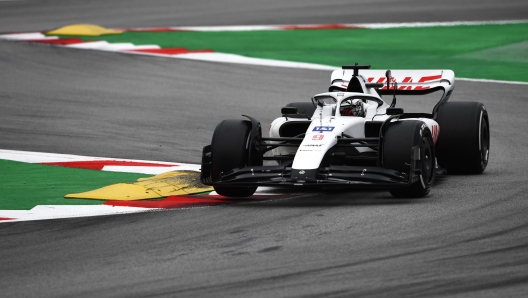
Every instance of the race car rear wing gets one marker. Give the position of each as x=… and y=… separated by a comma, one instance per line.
x=409, y=82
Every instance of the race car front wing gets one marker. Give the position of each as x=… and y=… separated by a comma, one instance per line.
x=332, y=175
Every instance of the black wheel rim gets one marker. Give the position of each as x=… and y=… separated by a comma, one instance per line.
x=427, y=161
x=484, y=141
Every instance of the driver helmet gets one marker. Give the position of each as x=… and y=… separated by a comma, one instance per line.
x=352, y=108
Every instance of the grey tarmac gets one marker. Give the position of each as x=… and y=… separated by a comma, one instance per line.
x=468, y=238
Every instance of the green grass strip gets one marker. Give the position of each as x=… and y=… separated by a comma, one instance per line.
x=24, y=185
x=479, y=51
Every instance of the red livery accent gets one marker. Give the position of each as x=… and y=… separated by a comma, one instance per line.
x=171, y=51
x=407, y=80
x=65, y=41
x=422, y=87
x=407, y=88
x=100, y=164
x=175, y=202
x=431, y=78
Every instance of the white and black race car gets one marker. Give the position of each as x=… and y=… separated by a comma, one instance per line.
x=349, y=137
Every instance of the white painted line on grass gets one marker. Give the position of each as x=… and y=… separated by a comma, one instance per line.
x=492, y=81
x=23, y=36
x=238, y=59
x=152, y=170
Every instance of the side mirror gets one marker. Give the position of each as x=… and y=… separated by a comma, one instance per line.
x=394, y=111
x=289, y=110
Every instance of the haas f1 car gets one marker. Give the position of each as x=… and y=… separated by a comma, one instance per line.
x=349, y=137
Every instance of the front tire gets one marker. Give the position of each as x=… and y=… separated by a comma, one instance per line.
x=398, y=148
x=463, y=143
x=229, y=150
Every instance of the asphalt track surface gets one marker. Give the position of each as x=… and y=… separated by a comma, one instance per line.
x=468, y=238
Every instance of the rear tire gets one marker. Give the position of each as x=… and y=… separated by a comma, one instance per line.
x=230, y=150
x=400, y=139
x=463, y=143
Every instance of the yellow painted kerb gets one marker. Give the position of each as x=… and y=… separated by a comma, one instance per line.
x=159, y=186
x=83, y=30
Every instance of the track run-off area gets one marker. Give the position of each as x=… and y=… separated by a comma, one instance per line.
x=147, y=114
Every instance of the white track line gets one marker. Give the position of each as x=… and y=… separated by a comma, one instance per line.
x=492, y=81
x=23, y=36
x=43, y=157
x=438, y=24
x=365, y=25
x=238, y=59
x=42, y=212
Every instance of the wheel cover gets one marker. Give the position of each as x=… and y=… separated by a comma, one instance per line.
x=427, y=161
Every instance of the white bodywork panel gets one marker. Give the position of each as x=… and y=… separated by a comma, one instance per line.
x=327, y=124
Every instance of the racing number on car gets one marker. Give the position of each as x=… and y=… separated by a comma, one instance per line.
x=317, y=137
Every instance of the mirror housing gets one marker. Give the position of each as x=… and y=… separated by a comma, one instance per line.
x=394, y=111
x=289, y=110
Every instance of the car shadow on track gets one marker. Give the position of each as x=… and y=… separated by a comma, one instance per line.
x=332, y=197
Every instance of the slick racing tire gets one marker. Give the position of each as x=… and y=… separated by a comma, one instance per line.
x=400, y=139
x=304, y=108
x=230, y=150
x=464, y=140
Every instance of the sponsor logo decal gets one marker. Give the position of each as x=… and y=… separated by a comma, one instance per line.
x=313, y=145
x=302, y=172
x=323, y=128
x=317, y=137
x=407, y=79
